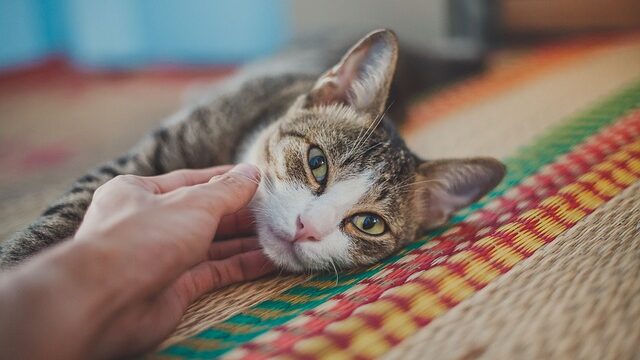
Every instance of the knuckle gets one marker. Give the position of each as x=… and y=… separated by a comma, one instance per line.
x=119, y=190
x=242, y=268
x=230, y=185
x=128, y=178
x=99, y=191
x=235, y=186
x=219, y=274
x=215, y=274
x=230, y=179
x=105, y=189
x=137, y=181
x=125, y=179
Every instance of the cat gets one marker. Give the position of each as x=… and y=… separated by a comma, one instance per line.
x=339, y=189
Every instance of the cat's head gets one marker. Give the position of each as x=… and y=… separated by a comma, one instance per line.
x=340, y=188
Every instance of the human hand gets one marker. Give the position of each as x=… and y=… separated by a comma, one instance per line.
x=150, y=241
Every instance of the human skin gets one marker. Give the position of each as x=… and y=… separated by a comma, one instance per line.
x=142, y=254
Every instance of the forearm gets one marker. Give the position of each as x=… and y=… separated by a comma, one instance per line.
x=58, y=302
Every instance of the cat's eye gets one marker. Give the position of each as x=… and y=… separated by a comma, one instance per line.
x=318, y=164
x=369, y=224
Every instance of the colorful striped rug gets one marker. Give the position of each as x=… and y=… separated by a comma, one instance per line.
x=547, y=265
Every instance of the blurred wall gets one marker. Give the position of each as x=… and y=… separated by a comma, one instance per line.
x=132, y=33
x=129, y=33
x=450, y=27
x=554, y=16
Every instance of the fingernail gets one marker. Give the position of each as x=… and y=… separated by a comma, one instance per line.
x=247, y=170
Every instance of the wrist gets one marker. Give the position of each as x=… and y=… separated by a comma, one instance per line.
x=70, y=293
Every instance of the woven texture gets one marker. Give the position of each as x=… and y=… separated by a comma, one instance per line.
x=370, y=320
x=552, y=184
x=579, y=297
x=227, y=301
x=507, y=120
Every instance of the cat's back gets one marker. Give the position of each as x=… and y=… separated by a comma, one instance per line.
x=299, y=64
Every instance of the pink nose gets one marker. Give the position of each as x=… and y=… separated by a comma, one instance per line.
x=305, y=231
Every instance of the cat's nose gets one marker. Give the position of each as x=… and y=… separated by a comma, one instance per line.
x=305, y=231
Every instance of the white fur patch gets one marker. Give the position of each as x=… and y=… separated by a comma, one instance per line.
x=277, y=210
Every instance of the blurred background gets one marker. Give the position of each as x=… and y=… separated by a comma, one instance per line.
x=82, y=80
x=129, y=34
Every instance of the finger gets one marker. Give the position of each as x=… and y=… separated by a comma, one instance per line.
x=186, y=177
x=241, y=223
x=211, y=275
x=221, y=250
x=226, y=194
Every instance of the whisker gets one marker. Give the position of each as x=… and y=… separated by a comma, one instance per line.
x=336, y=270
x=368, y=133
x=406, y=181
x=440, y=181
x=360, y=141
x=377, y=122
x=372, y=147
x=354, y=143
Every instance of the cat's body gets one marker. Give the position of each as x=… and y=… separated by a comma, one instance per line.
x=334, y=166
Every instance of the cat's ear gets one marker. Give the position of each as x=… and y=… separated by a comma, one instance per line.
x=362, y=78
x=446, y=186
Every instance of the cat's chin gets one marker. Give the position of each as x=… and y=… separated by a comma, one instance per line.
x=280, y=251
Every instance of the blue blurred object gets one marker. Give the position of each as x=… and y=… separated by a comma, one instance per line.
x=131, y=33
x=21, y=30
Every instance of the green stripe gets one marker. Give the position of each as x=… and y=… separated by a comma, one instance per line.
x=557, y=141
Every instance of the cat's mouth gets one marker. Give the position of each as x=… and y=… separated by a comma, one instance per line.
x=282, y=251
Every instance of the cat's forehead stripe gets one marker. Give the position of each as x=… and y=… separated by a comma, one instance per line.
x=383, y=194
x=292, y=133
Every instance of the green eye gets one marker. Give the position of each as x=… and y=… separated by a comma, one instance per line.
x=369, y=224
x=318, y=164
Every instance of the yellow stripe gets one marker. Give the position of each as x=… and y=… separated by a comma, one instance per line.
x=297, y=299
x=503, y=254
x=457, y=286
x=266, y=314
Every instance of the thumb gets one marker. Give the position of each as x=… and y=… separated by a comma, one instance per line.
x=233, y=190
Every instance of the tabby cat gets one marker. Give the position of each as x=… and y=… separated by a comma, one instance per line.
x=340, y=188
